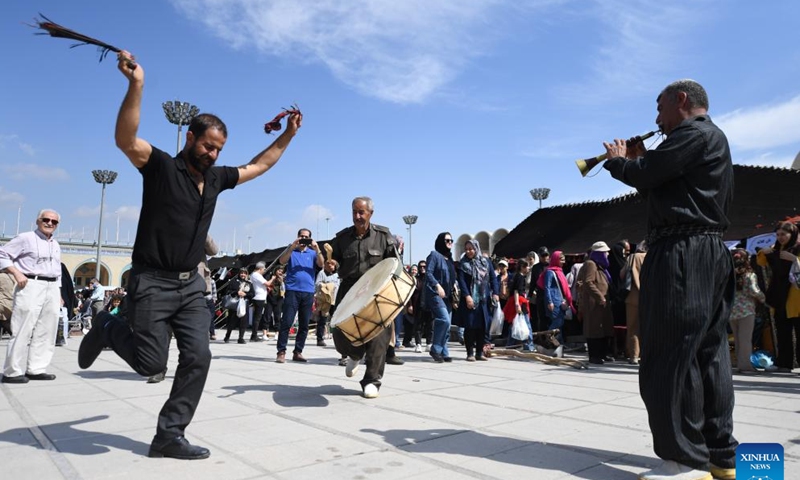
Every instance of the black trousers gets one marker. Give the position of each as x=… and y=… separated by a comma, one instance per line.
x=687, y=287
x=783, y=330
x=374, y=352
x=258, y=314
x=155, y=304
x=274, y=312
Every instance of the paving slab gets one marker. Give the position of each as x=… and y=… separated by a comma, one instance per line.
x=505, y=418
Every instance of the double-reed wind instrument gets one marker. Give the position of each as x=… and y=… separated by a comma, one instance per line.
x=588, y=164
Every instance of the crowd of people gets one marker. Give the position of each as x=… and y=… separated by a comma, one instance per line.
x=676, y=295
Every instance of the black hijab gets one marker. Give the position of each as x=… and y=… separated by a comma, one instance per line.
x=442, y=247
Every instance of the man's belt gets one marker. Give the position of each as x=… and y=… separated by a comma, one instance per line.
x=40, y=277
x=657, y=234
x=165, y=273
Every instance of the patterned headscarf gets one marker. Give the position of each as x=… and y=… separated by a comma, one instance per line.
x=478, y=268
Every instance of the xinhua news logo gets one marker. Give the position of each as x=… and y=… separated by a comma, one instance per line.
x=759, y=461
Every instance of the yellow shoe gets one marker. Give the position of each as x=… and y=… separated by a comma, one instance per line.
x=723, y=473
x=671, y=470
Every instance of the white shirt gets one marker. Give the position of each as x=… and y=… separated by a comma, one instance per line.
x=259, y=286
x=32, y=254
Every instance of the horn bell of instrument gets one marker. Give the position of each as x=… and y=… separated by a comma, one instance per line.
x=587, y=164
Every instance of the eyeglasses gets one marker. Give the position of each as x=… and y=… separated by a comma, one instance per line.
x=49, y=220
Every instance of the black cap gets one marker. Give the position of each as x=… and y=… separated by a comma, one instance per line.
x=543, y=252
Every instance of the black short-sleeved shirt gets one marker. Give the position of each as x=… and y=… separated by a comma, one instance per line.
x=175, y=218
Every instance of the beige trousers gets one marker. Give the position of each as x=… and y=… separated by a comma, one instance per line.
x=34, y=322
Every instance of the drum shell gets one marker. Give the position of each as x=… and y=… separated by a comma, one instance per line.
x=362, y=326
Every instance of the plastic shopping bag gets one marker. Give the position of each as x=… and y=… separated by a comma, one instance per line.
x=519, y=329
x=241, y=309
x=496, y=328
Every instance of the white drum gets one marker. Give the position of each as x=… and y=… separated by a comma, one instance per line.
x=374, y=301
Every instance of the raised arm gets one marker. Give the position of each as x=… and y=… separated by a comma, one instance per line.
x=137, y=150
x=270, y=155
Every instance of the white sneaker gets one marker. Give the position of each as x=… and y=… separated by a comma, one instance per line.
x=418, y=349
x=671, y=470
x=352, y=368
x=559, y=353
x=428, y=348
x=370, y=391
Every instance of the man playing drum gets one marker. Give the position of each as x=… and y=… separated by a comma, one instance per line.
x=357, y=249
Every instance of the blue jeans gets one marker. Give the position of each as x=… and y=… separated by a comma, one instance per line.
x=441, y=313
x=295, y=303
x=398, y=329
x=527, y=344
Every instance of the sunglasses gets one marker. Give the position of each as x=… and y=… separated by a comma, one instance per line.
x=448, y=240
x=49, y=220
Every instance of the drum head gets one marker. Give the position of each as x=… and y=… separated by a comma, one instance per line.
x=364, y=290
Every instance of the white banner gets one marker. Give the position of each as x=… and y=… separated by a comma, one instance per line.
x=760, y=241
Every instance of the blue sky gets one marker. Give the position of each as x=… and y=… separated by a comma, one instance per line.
x=450, y=110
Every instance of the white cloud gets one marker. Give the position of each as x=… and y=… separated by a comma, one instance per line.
x=13, y=138
x=10, y=199
x=29, y=171
x=87, y=211
x=763, y=126
x=764, y=160
x=636, y=47
x=401, y=52
x=126, y=212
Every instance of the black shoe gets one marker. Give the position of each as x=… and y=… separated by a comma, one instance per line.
x=256, y=338
x=17, y=379
x=395, y=360
x=241, y=340
x=61, y=343
x=321, y=343
x=40, y=376
x=437, y=358
x=596, y=360
x=226, y=339
x=608, y=358
x=177, y=447
x=447, y=359
x=94, y=342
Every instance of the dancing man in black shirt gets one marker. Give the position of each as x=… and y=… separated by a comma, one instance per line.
x=164, y=290
x=687, y=285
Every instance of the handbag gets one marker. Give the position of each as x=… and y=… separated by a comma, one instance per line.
x=794, y=274
x=498, y=318
x=519, y=329
x=241, y=309
x=229, y=302
x=455, y=297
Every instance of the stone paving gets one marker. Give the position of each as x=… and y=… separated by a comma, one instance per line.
x=502, y=419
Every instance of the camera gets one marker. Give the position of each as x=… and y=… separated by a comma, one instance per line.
x=305, y=241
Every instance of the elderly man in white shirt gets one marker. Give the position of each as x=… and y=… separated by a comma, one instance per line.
x=34, y=259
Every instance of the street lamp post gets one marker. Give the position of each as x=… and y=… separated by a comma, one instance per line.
x=540, y=194
x=327, y=228
x=104, y=177
x=410, y=220
x=180, y=114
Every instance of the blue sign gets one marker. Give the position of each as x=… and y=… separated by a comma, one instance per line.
x=759, y=461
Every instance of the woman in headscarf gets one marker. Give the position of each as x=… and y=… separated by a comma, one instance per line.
x=593, y=287
x=478, y=284
x=239, y=287
x=439, y=281
x=781, y=295
x=557, y=296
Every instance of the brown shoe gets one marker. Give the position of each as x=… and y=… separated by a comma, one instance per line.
x=281, y=357
x=298, y=357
